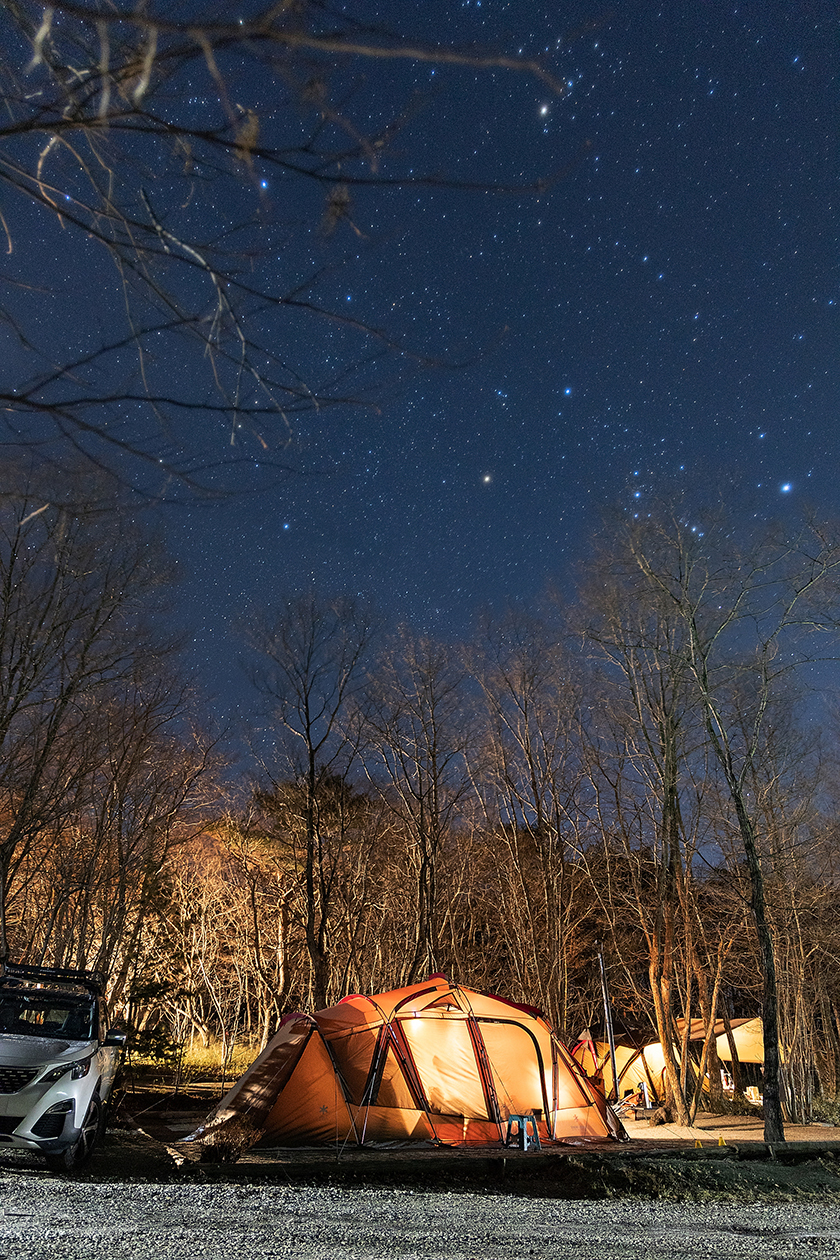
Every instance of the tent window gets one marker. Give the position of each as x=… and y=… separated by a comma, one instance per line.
x=392, y=1090
x=355, y=1055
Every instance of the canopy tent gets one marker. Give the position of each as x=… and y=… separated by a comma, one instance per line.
x=434, y=1062
x=748, y=1035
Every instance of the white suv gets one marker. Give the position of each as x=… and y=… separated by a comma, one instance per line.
x=58, y=1060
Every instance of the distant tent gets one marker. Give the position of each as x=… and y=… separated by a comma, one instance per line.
x=637, y=1064
x=434, y=1062
x=748, y=1035
x=634, y=1065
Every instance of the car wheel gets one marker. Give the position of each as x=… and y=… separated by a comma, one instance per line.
x=79, y=1153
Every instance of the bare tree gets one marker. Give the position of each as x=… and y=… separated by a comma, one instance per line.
x=83, y=891
x=72, y=608
x=415, y=743
x=209, y=162
x=640, y=755
x=262, y=881
x=310, y=661
x=530, y=774
x=750, y=614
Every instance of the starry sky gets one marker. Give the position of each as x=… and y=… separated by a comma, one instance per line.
x=664, y=312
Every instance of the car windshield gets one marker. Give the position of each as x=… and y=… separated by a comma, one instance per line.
x=47, y=1015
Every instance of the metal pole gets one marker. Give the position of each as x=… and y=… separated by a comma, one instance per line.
x=605, y=993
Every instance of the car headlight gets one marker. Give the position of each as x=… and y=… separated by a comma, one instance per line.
x=77, y=1070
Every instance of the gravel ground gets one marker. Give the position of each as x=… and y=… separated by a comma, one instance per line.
x=133, y=1200
x=45, y=1218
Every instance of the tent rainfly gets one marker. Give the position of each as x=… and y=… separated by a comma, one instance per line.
x=434, y=1062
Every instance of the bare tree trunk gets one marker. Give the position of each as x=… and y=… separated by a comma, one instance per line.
x=774, y=1130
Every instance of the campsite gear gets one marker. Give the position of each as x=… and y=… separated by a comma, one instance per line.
x=434, y=1062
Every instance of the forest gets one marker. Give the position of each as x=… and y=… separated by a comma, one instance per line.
x=644, y=769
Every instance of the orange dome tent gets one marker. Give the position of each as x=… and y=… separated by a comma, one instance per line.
x=434, y=1062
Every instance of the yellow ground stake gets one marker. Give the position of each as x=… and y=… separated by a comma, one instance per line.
x=721, y=1141
x=698, y=1143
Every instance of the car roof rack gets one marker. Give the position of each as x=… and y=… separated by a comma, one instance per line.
x=21, y=974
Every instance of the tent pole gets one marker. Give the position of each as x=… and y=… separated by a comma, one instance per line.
x=605, y=993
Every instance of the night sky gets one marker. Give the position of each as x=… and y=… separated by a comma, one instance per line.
x=665, y=312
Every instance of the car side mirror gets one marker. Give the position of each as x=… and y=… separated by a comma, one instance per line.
x=115, y=1037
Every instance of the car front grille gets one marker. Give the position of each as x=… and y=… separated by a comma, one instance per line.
x=8, y=1124
x=12, y=1078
